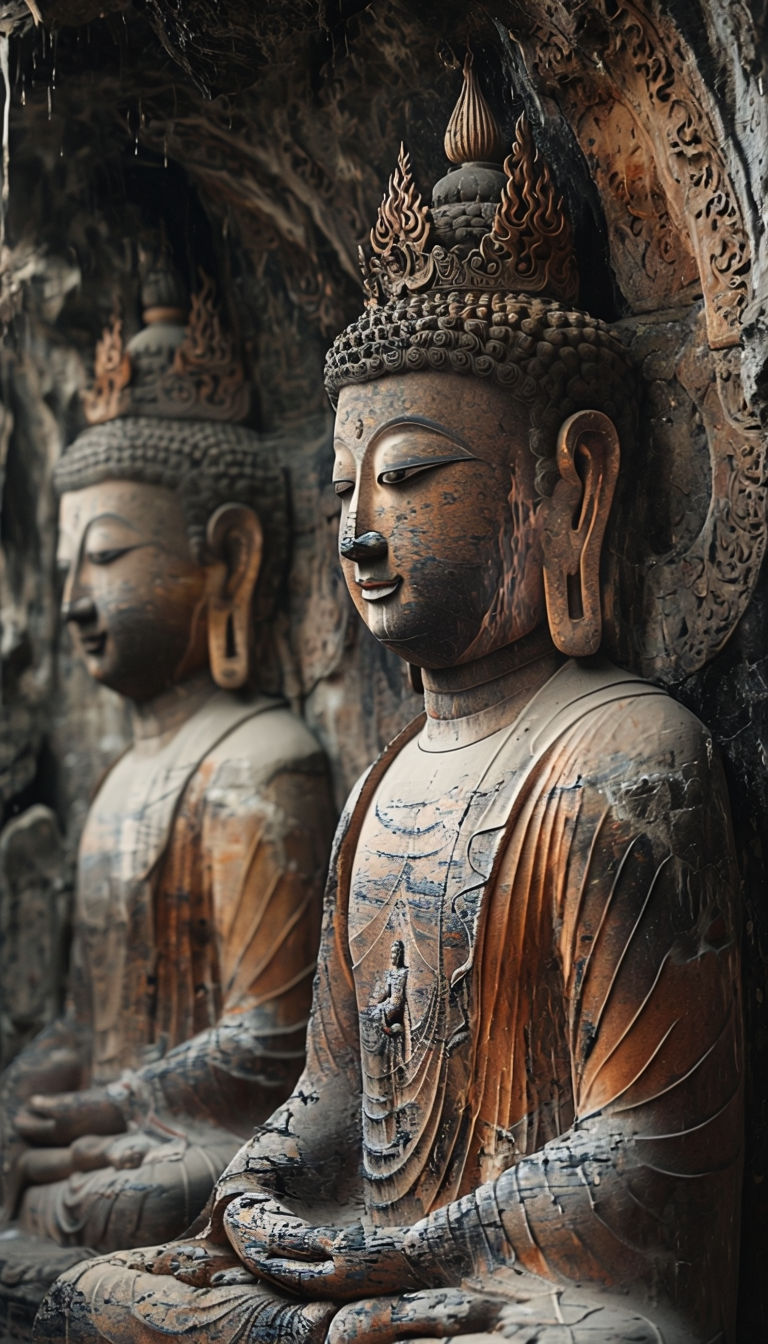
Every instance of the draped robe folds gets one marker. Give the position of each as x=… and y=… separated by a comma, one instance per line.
x=560, y=1118
x=196, y=929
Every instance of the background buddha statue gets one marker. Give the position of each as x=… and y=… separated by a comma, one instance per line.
x=202, y=859
x=534, y=883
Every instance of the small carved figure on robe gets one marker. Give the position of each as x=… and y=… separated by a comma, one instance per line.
x=203, y=855
x=390, y=1010
x=556, y=1157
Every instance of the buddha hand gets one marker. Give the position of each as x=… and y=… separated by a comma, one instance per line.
x=197, y=1261
x=317, y=1261
x=60, y=1119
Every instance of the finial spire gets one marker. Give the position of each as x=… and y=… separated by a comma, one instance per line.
x=472, y=134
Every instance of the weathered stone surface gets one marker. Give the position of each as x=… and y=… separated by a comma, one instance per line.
x=278, y=126
x=523, y=1092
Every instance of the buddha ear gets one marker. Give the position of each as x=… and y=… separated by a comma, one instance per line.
x=234, y=536
x=573, y=526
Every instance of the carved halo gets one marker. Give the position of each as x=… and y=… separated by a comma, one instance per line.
x=635, y=92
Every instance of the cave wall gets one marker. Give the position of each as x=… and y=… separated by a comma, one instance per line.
x=264, y=136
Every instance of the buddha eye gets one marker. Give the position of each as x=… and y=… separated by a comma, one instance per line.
x=106, y=557
x=397, y=474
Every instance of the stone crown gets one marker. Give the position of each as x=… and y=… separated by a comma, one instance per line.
x=171, y=369
x=490, y=226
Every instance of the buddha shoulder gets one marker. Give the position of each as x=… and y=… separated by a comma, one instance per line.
x=642, y=742
x=259, y=751
x=271, y=736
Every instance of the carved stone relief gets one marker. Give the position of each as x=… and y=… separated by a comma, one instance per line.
x=667, y=146
x=526, y=1029
x=665, y=104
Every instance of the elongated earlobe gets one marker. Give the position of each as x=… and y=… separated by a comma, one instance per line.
x=234, y=537
x=573, y=526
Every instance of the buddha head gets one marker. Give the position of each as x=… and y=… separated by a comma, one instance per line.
x=478, y=413
x=172, y=523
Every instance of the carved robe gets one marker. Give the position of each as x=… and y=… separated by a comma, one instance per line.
x=561, y=1119
x=196, y=932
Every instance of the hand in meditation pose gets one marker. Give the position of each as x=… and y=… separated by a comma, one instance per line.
x=201, y=863
x=535, y=881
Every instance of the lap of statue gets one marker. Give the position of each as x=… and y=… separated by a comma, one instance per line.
x=115, y=1298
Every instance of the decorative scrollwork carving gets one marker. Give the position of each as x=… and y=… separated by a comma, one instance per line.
x=530, y=223
x=632, y=68
x=403, y=218
x=112, y=374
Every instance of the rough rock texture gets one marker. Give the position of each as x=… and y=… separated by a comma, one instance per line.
x=264, y=135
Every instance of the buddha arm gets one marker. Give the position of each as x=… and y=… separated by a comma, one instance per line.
x=308, y=1151
x=58, y=1057
x=264, y=853
x=642, y=1189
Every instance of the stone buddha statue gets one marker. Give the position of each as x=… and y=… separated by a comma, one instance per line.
x=204, y=852
x=521, y=1109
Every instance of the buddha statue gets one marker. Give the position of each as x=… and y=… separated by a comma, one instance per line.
x=202, y=860
x=521, y=1109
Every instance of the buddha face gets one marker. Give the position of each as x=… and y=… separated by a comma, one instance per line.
x=438, y=536
x=134, y=596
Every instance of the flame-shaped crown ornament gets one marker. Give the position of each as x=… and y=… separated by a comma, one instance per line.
x=169, y=369
x=488, y=228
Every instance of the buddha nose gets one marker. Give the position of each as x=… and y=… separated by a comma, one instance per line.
x=81, y=610
x=368, y=546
